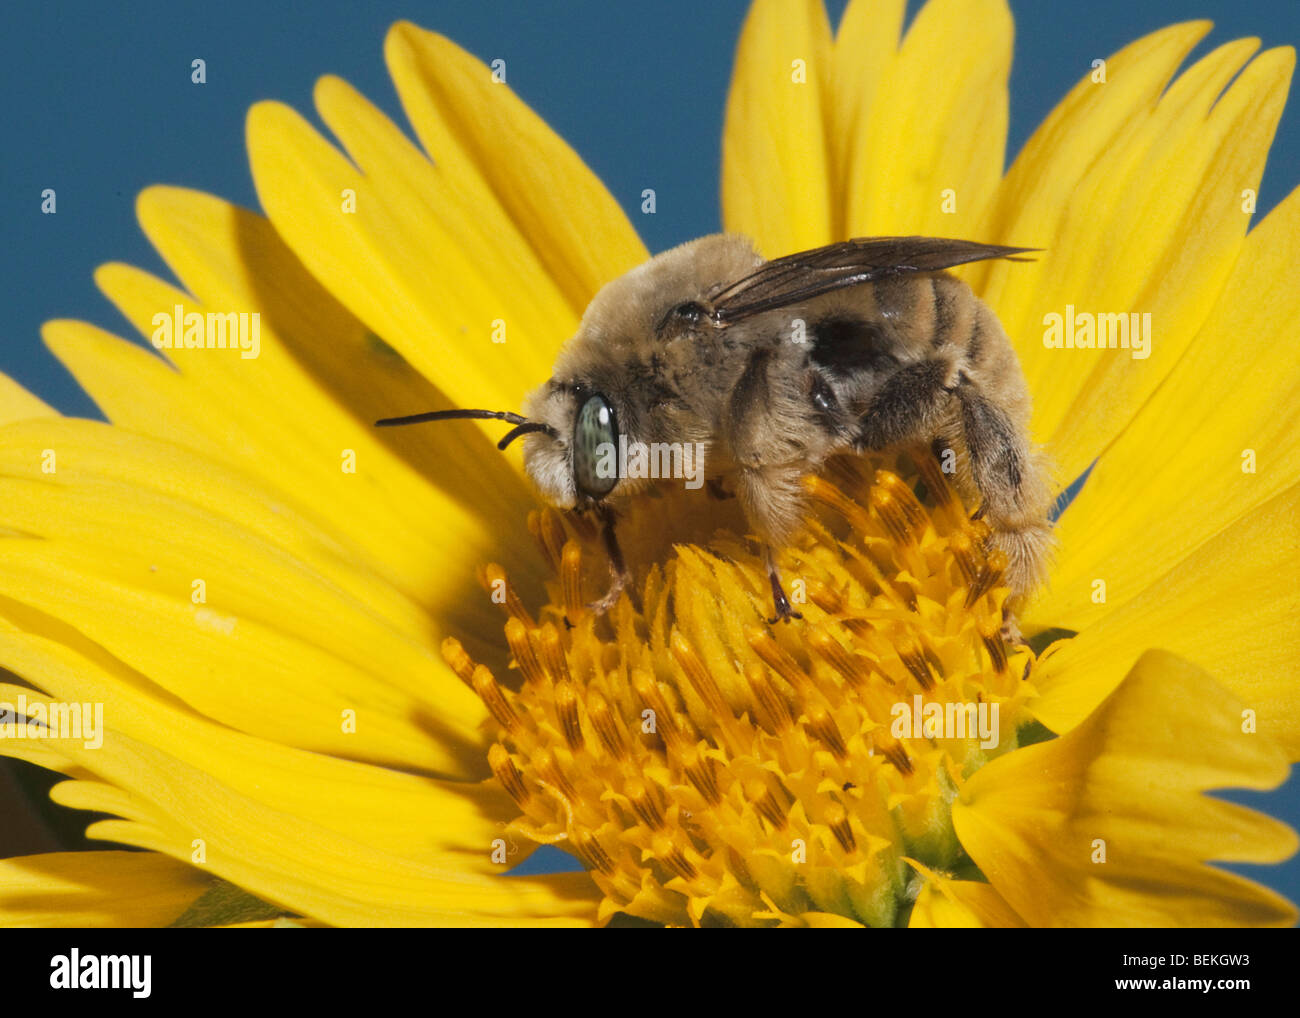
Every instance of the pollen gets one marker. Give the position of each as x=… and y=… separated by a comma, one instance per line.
x=708, y=767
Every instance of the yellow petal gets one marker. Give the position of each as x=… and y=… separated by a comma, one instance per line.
x=961, y=904
x=934, y=911
x=341, y=842
x=398, y=175
x=866, y=44
x=420, y=818
x=1177, y=166
x=512, y=170
x=937, y=123
x=1194, y=440
x=317, y=386
x=1087, y=121
x=393, y=266
x=776, y=163
x=1107, y=825
x=252, y=618
x=1204, y=157
x=97, y=889
x=439, y=237
x=946, y=903
x=1035, y=196
x=1231, y=607
x=17, y=404
x=338, y=889
x=362, y=484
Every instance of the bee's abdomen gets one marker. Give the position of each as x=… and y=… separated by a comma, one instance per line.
x=846, y=344
x=928, y=315
x=905, y=319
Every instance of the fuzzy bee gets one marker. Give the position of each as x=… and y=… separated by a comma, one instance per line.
x=771, y=367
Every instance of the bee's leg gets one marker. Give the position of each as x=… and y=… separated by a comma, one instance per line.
x=910, y=405
x=929, y=397
x=784, y=613
x=620, y=577
x=1013, y=486
x=770, y=465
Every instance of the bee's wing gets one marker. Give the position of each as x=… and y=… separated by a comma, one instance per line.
x=799, y=277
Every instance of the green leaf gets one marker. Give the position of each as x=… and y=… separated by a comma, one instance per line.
x=223, y=904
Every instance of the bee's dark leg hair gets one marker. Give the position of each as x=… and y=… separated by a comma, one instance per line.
x=1013, y=490
x=996, y=458
x=618, y=571
x=784, y=613
x=907, y=407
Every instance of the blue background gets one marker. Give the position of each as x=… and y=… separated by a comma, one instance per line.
x=99, y=104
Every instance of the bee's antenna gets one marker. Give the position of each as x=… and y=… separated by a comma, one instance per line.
x=524, y=429
x=522, y=424
x=452, y=415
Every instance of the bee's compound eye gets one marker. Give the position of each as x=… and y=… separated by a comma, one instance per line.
x=595, y=448
x=691, y=311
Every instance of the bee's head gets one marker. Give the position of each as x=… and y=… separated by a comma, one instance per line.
x=604, y=383
x=574, y=463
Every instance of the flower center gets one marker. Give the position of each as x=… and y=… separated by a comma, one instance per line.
x=708, y=767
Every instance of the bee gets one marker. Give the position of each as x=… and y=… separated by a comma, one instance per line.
x=771, y=367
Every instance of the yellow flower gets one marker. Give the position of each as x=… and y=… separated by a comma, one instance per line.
x=261, y=589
